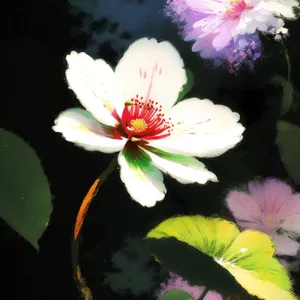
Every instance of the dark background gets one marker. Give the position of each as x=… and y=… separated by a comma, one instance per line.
x=35, y=38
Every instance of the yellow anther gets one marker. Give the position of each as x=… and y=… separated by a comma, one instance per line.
x=138, y=125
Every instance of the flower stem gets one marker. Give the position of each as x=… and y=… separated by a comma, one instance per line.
x=204, y=294
x=289, y=68
x=80, y=219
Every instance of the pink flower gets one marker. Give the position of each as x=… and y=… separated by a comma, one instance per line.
x=220, y=21
x=177, y=282
x=270, y=207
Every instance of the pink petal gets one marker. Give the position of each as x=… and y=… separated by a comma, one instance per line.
x=212, y=295
x=207, y=6
x=284, y=244
x=204, y=44
x=226, y=34
x=252, y=225
x=291, y=207
x=270, y=195
x=210, y=24
x=243, y=207
x=292, y=225
x=177, y=282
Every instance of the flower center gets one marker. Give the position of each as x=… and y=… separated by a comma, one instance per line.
x=138, y=125
x=143, y=119
x=270, y=223
x=237, y=7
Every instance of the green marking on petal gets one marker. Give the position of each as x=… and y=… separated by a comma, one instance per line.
x=90, y=123
x=84, y=113
x=138, y=159
x=177, y=158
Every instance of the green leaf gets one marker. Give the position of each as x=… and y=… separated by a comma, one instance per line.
x=288, y=141
x=287, y=100
x=296, y=10
x=194, y=266
x=188, y=86
x=247, y=256
x=24, y=190
x=176, y=294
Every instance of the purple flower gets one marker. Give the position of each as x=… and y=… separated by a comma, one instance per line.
x=243, y=52
x=240, y=51
x=212, y=24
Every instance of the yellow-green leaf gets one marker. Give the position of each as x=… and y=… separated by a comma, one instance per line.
x=212, y=238
x=247, y=256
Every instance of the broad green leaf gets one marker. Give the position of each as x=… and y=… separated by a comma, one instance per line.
x=287, y=95
x=247, y=256
x=25, y=198
x=288, y=141
x=247, y=251
x=188, y=86
x=210, y=236
x=176, y=294
x=261, y=288
x=194, y=266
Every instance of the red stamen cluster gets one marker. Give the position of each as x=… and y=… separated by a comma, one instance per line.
x=148, y=114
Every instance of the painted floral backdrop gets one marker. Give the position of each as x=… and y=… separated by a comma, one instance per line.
x=150, y=149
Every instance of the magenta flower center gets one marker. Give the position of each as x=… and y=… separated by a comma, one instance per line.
x=145, y=120
x=237, y=7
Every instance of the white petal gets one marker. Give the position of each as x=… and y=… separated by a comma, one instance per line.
x=80, y=127
x=262, y=27
x=144, y=184
x=94, y=83
x=151, y=70
x=280, y=7
x=252, y=26
x=201, y=129
x=183, y=169
x=241, y=28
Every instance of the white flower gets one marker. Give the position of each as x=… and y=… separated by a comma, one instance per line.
x=131, y=111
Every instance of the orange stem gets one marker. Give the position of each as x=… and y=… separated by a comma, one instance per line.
x=85, y=206
x=76, y=240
